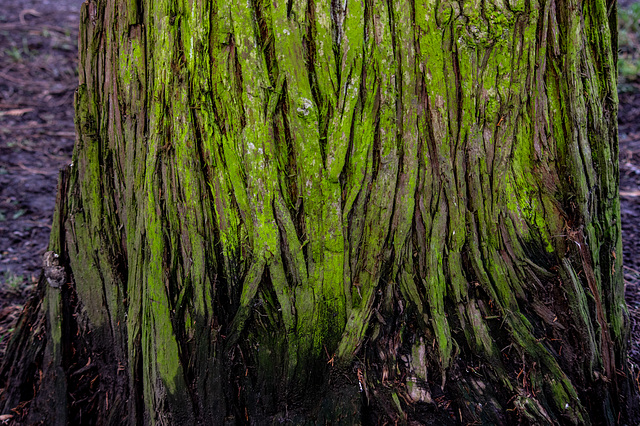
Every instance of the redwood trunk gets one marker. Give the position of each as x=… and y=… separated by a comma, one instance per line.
x=344, y=212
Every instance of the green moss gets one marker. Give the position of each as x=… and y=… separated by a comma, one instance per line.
x=54, y=313
x=87, y=271
x=393, y=161
x=565, y=404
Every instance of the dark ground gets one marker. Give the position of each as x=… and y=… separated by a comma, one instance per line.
x=629, y=136
x=38, y=42
x=38, y=61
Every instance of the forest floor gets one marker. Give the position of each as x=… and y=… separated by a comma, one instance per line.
x=38, y=77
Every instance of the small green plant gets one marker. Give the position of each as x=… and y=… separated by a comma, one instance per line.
x=20, y=144
x=14, y=53
x=629, y=18
x=18, y=214
x=629, y=44
x=13, y=281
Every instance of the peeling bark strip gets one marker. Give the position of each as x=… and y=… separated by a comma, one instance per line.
x=358, y=211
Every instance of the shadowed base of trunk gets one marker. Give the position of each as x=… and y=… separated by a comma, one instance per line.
x=56, y=373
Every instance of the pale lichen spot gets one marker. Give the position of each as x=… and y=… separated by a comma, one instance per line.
x=286, y=31
x=336, y=208
x=306, y=106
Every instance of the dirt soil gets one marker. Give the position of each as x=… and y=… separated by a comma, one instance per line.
x=38, y=77
x=629, y=137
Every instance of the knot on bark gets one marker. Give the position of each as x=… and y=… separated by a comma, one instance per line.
x=53, y=272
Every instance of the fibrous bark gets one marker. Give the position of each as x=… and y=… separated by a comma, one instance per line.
x=340, y=211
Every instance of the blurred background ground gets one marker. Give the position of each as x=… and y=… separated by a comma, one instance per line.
x=38, y=61
x=629, y=136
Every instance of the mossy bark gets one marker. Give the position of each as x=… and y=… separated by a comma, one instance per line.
x=343, y=212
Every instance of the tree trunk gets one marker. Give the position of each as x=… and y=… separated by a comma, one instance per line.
x=335, y=212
